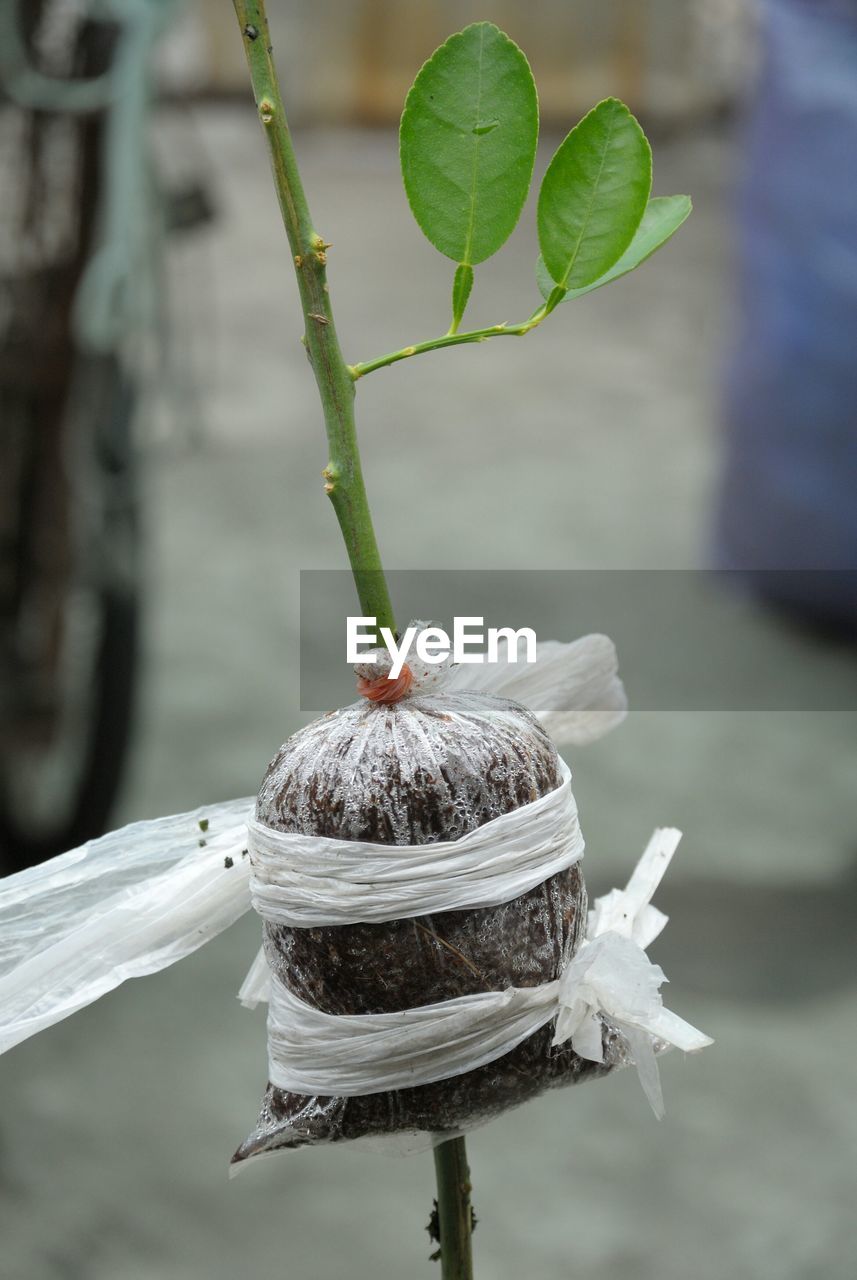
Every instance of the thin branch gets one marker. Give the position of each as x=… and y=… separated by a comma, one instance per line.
x=343, y=475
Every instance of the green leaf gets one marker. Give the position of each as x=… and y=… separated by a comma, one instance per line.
x=467, y=142
x=461, y=286
x=663, y=217
x=594, y=195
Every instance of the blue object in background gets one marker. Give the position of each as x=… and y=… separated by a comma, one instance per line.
x=789, y=490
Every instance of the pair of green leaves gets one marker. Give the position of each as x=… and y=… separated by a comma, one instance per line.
x=468, y=143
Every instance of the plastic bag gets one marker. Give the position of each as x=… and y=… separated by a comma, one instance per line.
x=142, y=898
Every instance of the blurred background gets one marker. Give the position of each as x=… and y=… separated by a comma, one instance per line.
x=160, y=493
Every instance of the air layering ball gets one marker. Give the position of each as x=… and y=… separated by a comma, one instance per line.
x=431, y=766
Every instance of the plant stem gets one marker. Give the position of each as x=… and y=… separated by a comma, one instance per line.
x=450, y=340
x=343, y=475
x=344, y=486
x=455, y=1215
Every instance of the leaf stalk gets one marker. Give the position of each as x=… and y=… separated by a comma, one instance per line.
x=451, y=339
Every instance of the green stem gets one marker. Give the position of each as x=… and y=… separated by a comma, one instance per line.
x=343, y=475
x=454, y=1212
x=450, y=339
x=344, y=485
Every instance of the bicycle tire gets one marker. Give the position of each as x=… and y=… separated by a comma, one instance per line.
x=112, y=673
x=74, y=440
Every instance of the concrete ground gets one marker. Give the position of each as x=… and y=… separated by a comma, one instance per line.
x=590, y=444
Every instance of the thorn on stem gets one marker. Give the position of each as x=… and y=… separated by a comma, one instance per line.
x=319, y=319
x=433, y=1227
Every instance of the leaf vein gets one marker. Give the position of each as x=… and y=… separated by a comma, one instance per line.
x=468, y=239
x=593, y=194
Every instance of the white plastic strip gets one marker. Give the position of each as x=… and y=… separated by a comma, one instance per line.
x=346, y=1055
x=308, y=881
x=131, y=903
x=311, y=1052
x=573, y=688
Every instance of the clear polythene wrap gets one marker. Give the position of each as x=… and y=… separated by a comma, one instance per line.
x=426, y=1019
x=430, y=769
